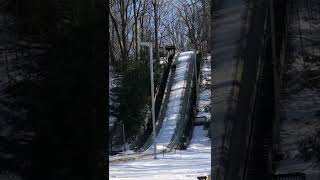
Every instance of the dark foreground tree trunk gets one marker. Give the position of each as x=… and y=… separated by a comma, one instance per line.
x=71, y=117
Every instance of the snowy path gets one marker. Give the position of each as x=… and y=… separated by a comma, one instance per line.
x=179, y=165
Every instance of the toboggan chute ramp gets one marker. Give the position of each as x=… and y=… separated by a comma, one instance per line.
x=173, y=114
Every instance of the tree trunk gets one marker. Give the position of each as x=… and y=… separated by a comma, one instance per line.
x=156, y=39
x=136, y=31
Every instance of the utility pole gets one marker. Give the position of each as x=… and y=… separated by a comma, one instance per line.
x=149, y=44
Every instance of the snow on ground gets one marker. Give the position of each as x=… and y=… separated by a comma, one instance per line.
x=179, y=165
x=184, y=165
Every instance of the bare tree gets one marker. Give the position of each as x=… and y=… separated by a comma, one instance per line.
x=195, y=14
x=136, y=33
x=156, y=29
x=178, y=22
x=120, y=21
